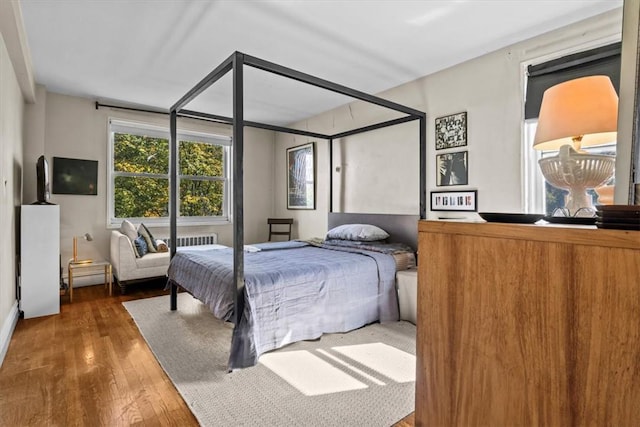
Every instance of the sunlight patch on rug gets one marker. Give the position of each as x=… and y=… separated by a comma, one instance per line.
x=351, y=367
x=385, y=359
x=309, y=374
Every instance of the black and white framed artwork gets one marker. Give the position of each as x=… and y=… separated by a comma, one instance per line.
x=451, y=131
x=301, y=175
x=466, y=201
x=452, y=169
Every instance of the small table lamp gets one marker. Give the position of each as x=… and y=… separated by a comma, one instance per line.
x=574, y=114
x=88, y=237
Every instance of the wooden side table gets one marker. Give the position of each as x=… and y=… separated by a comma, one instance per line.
x=90, y=268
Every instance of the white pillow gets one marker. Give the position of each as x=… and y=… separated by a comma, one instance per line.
x=358, y=232
x=129, y=230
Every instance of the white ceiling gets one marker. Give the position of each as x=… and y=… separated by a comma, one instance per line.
x=150, y=53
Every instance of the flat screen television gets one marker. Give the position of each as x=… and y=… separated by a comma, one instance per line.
x=42, y=178
x=75, y=176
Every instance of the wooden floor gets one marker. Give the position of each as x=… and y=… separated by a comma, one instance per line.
x=89, y=365
x=408, y=421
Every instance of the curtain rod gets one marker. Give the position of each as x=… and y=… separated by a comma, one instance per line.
x=143, y=110
x=211, y=118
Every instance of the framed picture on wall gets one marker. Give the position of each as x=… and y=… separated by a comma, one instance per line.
x=301, y=177
x=452, y=169
x=466, y=201
x=451, y=131
x=75, y=176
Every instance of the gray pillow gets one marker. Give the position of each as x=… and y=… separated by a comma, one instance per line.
x=357, y=232
x=129, y=230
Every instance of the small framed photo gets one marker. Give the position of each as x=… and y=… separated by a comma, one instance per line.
x=301, y=177
x=451, y=131
x=452, y=169
x=466, y=201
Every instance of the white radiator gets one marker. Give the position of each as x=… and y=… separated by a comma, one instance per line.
x=206, y=239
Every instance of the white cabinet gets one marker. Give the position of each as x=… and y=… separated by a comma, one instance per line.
x=39, y=260
x=407, y=282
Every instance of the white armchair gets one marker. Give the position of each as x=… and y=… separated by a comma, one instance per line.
x=127, y=268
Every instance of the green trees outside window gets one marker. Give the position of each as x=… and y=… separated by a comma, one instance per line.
x=141, y=177
x=202, y=179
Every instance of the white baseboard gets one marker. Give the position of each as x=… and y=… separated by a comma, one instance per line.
x=8, y=327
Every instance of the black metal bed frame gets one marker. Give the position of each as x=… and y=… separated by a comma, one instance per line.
x=235, y=63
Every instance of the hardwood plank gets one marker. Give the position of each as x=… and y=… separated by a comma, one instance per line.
x=408, y=421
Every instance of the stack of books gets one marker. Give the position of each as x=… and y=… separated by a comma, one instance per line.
x=623, y=217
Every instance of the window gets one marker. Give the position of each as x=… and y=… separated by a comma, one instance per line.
x=139, y=175
x=540, y=196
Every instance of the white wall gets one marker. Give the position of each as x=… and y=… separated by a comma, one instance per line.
x=34, y=133
x=11, y=140
x=368, y=180
x=74, y=128
x=489, y=88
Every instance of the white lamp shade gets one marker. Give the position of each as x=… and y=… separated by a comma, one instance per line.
x=586, y=107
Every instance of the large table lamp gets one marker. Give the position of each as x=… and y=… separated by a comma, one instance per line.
x=574, y=114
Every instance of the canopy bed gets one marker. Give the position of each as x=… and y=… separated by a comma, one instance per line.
x=239, y=298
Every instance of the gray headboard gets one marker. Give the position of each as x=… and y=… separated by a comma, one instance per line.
x=401, y=228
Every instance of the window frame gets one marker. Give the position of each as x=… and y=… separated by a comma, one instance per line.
x=533, y=182
x=115, y=125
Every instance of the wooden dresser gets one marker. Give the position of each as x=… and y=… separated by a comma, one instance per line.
x=527, y=325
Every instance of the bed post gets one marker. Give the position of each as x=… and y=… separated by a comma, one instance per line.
x=423, y=166
x=330, y=174
x=238, y=209
x=173, y=197
x=211, y=78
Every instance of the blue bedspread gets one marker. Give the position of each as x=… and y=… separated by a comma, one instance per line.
x=293, y=291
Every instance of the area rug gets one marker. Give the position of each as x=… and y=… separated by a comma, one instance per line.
x=362, y=378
